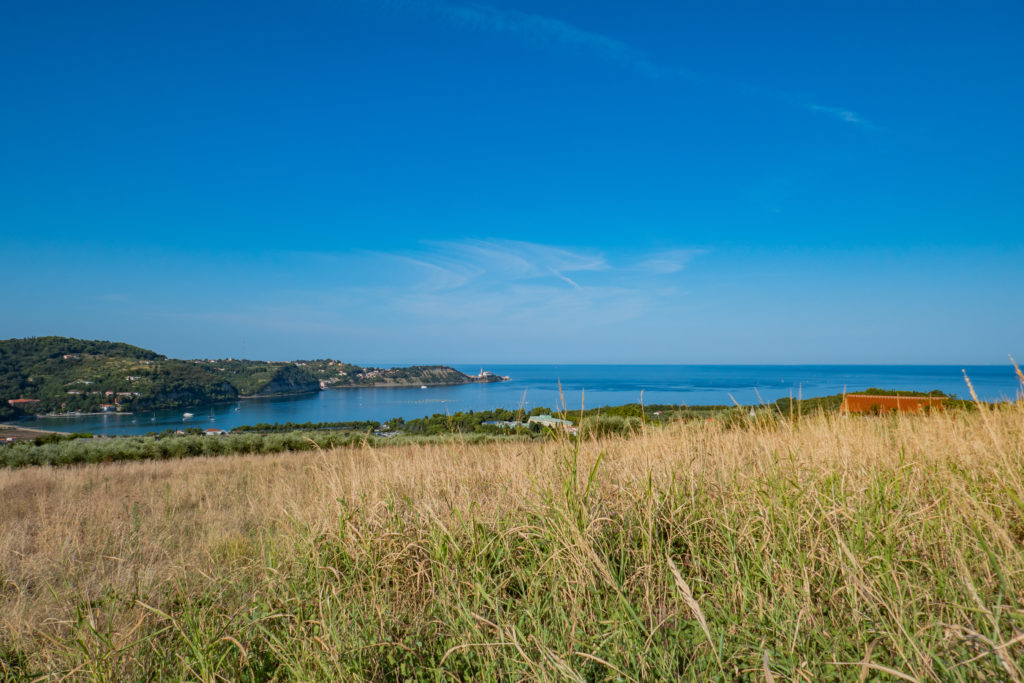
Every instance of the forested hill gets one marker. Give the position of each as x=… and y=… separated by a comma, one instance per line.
x=61, y=374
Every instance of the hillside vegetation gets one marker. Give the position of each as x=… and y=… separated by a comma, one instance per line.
x=77, y=375
x=820, y=548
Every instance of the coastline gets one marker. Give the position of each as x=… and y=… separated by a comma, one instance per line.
x=377, y=385
x=281, y=394
x=417, y=385
x=537, y=386
x=8, y=427
x=116, y=412
x=276, y=394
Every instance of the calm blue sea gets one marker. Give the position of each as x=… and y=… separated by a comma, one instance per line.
x=589, y=385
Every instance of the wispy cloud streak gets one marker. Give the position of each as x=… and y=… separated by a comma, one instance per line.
x=671, y=261
x=452, y=265
x=541, y=29
x=523, y=282
x=844, y=115
x=535, y=28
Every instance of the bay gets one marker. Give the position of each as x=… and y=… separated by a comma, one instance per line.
x=591, y=386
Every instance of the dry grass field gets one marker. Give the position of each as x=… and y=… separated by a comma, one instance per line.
x=824, y=548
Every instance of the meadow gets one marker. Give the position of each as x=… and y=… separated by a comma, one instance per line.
x=796, y=548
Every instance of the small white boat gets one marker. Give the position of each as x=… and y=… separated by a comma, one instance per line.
x=423, y=386
x=188, y=415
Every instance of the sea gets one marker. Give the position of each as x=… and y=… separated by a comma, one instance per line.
x=557, y=386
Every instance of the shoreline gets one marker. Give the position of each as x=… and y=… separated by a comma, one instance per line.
x=246, y=397
x=7, y=426
x=68, y=415
x=282, y=394
x=411, y=386
x=318, y=390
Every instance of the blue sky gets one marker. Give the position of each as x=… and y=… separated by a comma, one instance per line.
x=428, y=181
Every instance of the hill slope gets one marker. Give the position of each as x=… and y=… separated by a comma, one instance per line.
x=63, y=374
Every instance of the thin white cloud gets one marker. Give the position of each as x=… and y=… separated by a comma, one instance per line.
x=803, y=102
x=487, y=292
x=523, y=282
x=440, y=273
x=504, y=260
x=536, y=28
x=841, y=114
x=671, y=261
x=565, y=278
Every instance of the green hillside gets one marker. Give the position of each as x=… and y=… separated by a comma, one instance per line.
x=62, y=374
x=68, y=375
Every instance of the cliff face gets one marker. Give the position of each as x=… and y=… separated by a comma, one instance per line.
x=290, y=380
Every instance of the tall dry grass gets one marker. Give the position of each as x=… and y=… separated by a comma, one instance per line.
x=823, y=548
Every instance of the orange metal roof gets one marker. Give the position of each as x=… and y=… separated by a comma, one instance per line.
x=866, y=403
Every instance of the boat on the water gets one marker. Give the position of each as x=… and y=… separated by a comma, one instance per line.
x=188, y=415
